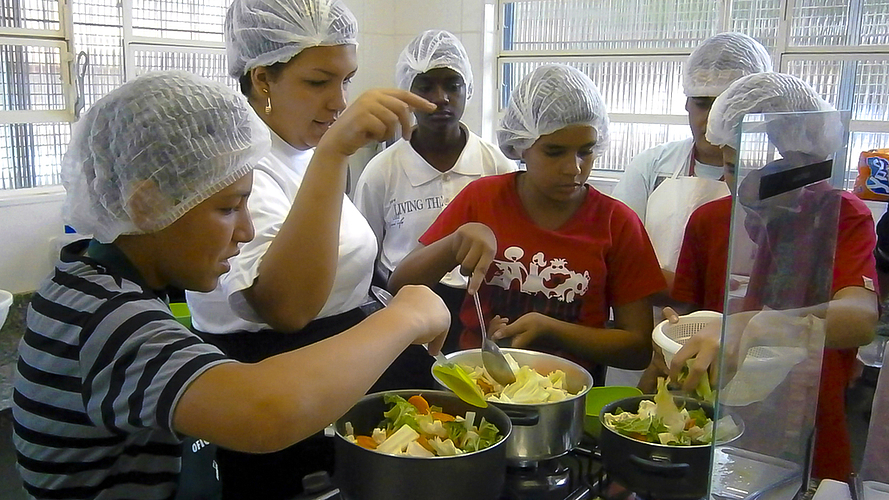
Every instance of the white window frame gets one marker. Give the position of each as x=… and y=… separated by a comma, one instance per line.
x=133, y=42
x=61, y=38
x=782, y=55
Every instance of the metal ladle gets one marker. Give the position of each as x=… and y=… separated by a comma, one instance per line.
x=451, y=375
x=492, y=358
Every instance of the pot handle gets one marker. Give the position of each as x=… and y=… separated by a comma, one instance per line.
x=664, y=469
x=523, y=418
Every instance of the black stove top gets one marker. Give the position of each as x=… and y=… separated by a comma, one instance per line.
x=577, y=475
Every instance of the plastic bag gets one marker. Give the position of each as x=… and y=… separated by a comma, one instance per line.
x=872, y=182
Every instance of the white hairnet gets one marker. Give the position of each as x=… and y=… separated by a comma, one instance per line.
x=265, y=32
x=430, y=50
x=548, y=99
x=171, y=138
x=719, y=61
x=814, y=134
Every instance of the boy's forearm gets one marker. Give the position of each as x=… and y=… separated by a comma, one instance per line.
x=272, y=404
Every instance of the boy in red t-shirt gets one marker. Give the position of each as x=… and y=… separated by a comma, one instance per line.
x=851, y=312
x=548, y=255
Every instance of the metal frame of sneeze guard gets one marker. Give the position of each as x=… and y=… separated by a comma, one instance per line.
x=781, y=246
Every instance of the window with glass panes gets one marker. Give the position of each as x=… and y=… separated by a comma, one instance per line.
x=634, y=49
x=57, y=58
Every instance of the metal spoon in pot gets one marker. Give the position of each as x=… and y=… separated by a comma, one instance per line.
x=492, y=358
x=452, y=376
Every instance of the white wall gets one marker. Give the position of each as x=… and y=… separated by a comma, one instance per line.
x=386, y=26
x=29, y=221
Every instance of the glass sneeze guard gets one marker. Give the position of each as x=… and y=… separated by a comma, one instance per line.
x=781, y=244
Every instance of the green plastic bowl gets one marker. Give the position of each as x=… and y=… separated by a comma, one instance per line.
x=181, y=313
x=598, y=397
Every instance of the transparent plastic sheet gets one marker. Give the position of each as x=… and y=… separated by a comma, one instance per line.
x=780, y=261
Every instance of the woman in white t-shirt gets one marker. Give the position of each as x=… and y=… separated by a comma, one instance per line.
x=306, y=273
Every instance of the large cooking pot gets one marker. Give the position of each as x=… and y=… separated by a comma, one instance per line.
x=653, y=469
x=363, y=474
x=540, y=431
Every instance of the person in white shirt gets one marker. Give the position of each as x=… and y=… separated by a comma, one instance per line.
x=664, y=184
x=304, y=276
x=403, y=189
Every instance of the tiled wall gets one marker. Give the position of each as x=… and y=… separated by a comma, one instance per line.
x=386, y=26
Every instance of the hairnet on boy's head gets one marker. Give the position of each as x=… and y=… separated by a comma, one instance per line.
x=814, y=134
x=430, y=50
x=265, y=32
x=548, y=99
x=154, y=148
x=719, y=61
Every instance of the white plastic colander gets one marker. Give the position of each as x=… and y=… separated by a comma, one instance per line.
x=670, y=337
x=763, y=368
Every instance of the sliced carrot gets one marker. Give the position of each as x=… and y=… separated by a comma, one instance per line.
x=485, y=386
x=420, y=403
x=444, y=417
x=422, y=441
x=366, y=442
x=639, y=436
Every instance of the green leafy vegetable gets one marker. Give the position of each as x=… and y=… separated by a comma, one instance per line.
x=426, y=432
x=661, y=421
x=402, y=413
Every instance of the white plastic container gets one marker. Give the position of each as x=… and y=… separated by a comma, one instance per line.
x=5, y=304
x=874, y=490
x=829, y=489
x=760, y=373
x=670, y=337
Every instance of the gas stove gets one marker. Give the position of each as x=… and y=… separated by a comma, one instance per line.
x=564, y=478
x=573, y=476
x=577, y=475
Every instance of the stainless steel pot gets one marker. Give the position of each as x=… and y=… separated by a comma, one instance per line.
x=653, y=469
x=540, y=431
x=363, y=474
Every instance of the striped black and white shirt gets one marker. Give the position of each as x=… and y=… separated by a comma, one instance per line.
x=101, y=368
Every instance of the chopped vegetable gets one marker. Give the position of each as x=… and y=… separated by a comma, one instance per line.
x=661, y=421
x=530, y=386
x=398, y=441
x=409, y=430
x=703, y=390
x=420, y=403
x=366, y=442
x=444, y=417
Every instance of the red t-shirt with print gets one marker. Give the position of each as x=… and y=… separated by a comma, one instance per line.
x=599, y=258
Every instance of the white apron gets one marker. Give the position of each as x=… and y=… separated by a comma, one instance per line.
x=669, y=207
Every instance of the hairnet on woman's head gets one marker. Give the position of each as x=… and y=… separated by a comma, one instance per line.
x=814, y=134
x=430, y=50
x=719, y=61
x=548, y=99
x=154, y=148
x=265, y=32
